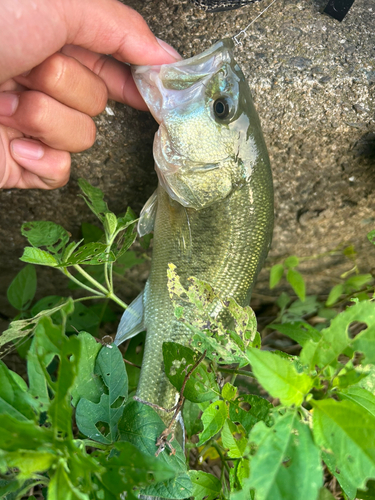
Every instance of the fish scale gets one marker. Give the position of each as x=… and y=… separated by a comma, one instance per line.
x=212, y=213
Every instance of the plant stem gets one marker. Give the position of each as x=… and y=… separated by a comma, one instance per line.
x=237, y=372
x=222, y=458
x=117, y=300
x=82, y=285
x=91, y=279
x=94, y=444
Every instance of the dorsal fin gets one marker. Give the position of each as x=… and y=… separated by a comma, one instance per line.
x=148, y=213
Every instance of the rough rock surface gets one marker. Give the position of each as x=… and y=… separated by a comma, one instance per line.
x=313, y=82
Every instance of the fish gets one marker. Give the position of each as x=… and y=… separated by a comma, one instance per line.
x=212, y=212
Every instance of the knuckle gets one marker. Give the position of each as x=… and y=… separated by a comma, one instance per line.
x=53, y=72
x=88, y=135
x=36, y=115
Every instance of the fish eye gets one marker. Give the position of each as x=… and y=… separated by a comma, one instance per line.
x=222, y=108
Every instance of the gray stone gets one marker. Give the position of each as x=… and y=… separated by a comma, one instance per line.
x=317, y=116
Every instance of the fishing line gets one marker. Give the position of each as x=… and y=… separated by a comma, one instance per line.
x=236, y=39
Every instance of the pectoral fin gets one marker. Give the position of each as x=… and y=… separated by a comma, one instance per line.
x=148, y=214
x=131, y=322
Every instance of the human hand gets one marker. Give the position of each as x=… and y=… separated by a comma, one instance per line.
x=54, y=78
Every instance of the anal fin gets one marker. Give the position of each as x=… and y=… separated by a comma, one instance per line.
x=131, y=322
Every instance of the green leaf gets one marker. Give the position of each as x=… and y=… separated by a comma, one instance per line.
x=141, y=426
x=335, y=294
x=24, y=327
x=297, y=282
x=369, y=494
x=371, y=237
x=365, y=341
x=82, y=318
x=111, y=368
x=276, y=274
x=37, y=256
x=110, y=223
x=46, y=234
x=348, y=432
x=22, y=289
x=205, y=486
x=87, y=384
x=299, y=309
x=213, y=419
x=60, y=486
x=279, y=377
x=92, y=254
x=234, y=439
x=300, y=331
x=91, y=233
x=93, y=196
x=248, y=409
x=348, y=488
x=362, y=397
x=16, y=435
x=13, y=400
x=335, y=340
x=178, y=360
x=228, y=392
x=129, y=468
x=29, y=462
x=191, y=417
x=358, y=281
x=325, y=494
x=291, y=261
x=285, y=454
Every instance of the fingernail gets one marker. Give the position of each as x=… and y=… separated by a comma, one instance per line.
x=170, y=50
x=27, y=149
x=8, y=103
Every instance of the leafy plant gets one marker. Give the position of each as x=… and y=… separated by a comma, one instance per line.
x=74, y=431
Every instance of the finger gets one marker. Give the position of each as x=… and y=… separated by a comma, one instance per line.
x=69, y=82
x=116, y=75
x=40, y=116
x=23, y=166
x=104, y=26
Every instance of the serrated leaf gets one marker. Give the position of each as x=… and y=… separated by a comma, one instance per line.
x=37, y=256
x=299, y=331
x=141, y=426
x=178, y=361
x=335, y=339
x=13, y=400
x=285, y=453
x=297, y=282
x=111, y=368
x=291, y=261
x=23, y=327
x=349, y=433
x=87, y=384
x=93, y=197
x=205, y=486
x=361, y=397
x=92, y=254
x=233, y=437
x=335, y=294
x=276, y=273
x=213, y=419
x=248, y=409
x=46, y=234
x=279, y=377
x=22, y=289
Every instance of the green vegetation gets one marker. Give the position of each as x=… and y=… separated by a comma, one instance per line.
x=274, y=423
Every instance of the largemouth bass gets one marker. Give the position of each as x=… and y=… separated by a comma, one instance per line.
x=212, y=213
